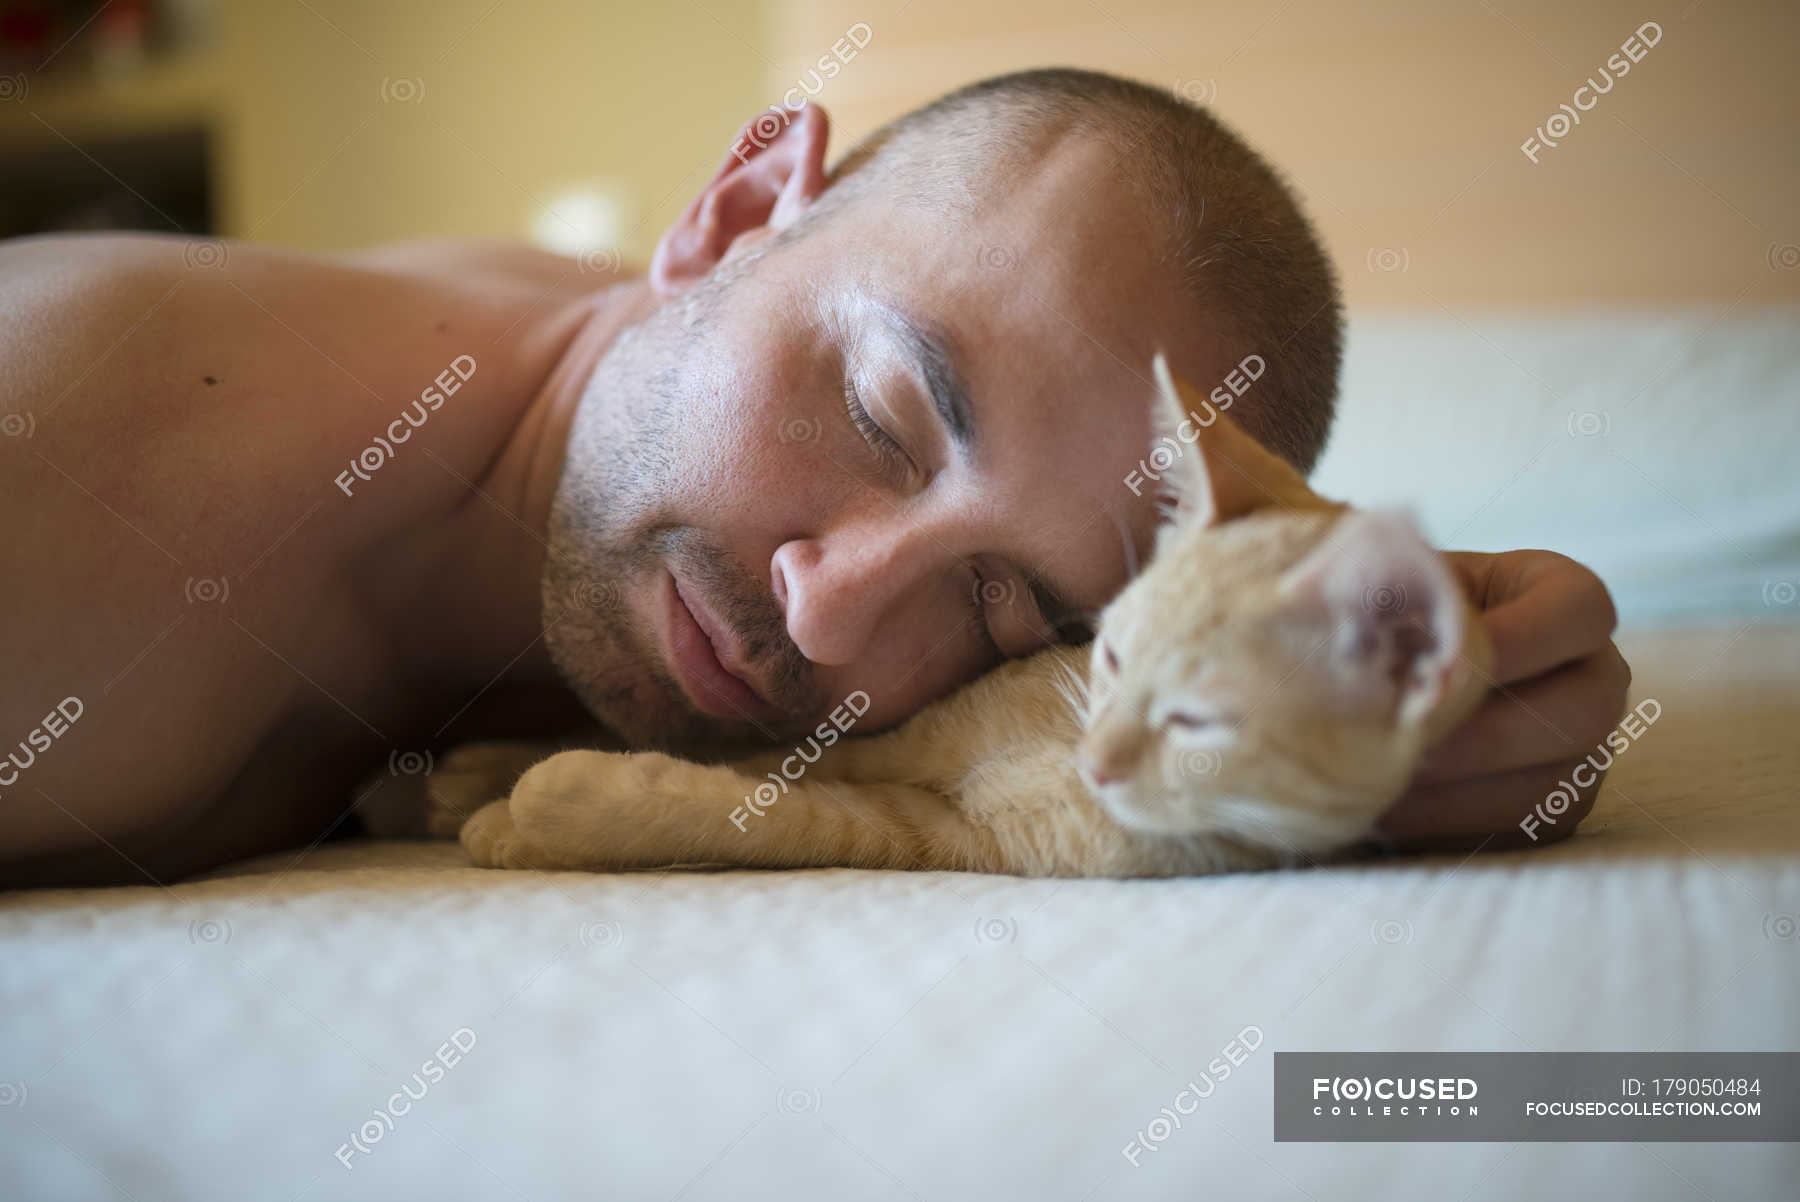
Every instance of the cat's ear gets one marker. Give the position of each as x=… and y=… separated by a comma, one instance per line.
x=1208, y=470
x=1403, y=626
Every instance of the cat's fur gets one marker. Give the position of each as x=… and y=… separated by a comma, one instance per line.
x=1258, y=695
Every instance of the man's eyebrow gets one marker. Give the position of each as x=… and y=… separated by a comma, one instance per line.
x=927, y=345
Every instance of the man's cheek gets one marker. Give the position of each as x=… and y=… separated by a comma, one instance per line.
x=914, y=681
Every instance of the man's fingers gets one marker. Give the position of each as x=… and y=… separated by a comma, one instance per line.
x=1563, y=688
x=1543, y=610
x=1486, y=812
x=1556, y=718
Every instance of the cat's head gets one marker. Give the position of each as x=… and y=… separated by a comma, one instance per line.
x=1282, y=663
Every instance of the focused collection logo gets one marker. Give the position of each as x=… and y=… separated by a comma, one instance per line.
x=1395, y=1097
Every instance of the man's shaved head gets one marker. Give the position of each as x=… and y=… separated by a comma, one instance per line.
x=1228, y=225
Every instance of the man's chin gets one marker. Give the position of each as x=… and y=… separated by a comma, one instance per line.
x=658, y=717
x=647, y=720
x=611, y=657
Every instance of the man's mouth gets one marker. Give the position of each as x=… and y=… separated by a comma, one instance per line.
x=706, y=660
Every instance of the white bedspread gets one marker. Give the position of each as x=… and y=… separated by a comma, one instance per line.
x=887, y=1035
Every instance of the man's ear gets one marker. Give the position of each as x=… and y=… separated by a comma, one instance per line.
x=1214, y=471
x=1404, y=627
x=773, y=171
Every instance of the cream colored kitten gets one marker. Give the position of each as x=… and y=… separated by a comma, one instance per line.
x=1258, y=695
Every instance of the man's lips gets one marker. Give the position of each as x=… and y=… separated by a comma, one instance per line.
x=699, y=651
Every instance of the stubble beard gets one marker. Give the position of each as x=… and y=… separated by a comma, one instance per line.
x=611, y=535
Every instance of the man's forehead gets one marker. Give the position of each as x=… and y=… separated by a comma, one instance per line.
x=1049, y=306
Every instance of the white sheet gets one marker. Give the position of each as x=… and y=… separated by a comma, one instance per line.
x=850, y=1035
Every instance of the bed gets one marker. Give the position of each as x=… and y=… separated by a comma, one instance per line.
x=378, y=1019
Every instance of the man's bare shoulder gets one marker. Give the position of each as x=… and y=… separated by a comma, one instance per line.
x=490, y=288
x=172, y=334
x=508, y=264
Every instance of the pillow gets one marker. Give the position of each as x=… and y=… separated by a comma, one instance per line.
x=1661, y=448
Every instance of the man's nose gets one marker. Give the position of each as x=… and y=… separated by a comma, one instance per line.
x=841, y=586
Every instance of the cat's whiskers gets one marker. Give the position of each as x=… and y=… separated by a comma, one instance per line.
x=1073, y=687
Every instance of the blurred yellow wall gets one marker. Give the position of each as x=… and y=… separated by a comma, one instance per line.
x=347, y=122
x=358, y=122
x=1401, y=123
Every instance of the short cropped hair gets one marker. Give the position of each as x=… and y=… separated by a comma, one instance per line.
x=1231, y=226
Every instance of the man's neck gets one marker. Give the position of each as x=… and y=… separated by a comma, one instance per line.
x=487, y=558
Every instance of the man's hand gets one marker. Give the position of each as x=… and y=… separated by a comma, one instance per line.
x=1560, y=688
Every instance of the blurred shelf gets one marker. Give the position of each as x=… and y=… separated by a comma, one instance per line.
x=184, y=90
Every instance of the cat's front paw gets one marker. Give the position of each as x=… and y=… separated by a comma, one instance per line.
x=470, y=777
x=578, y=777
x=492, y=840
x=605, y=808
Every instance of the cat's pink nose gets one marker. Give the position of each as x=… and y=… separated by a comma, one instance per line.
x=1099, y=770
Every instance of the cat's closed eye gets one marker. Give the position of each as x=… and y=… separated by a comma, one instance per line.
x=1181, y=721
x=1208, y=723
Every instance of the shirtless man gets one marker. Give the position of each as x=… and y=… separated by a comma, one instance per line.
x=279, y=519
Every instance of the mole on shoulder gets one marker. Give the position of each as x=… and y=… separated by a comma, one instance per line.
x=442, y=326
x=211, y=380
